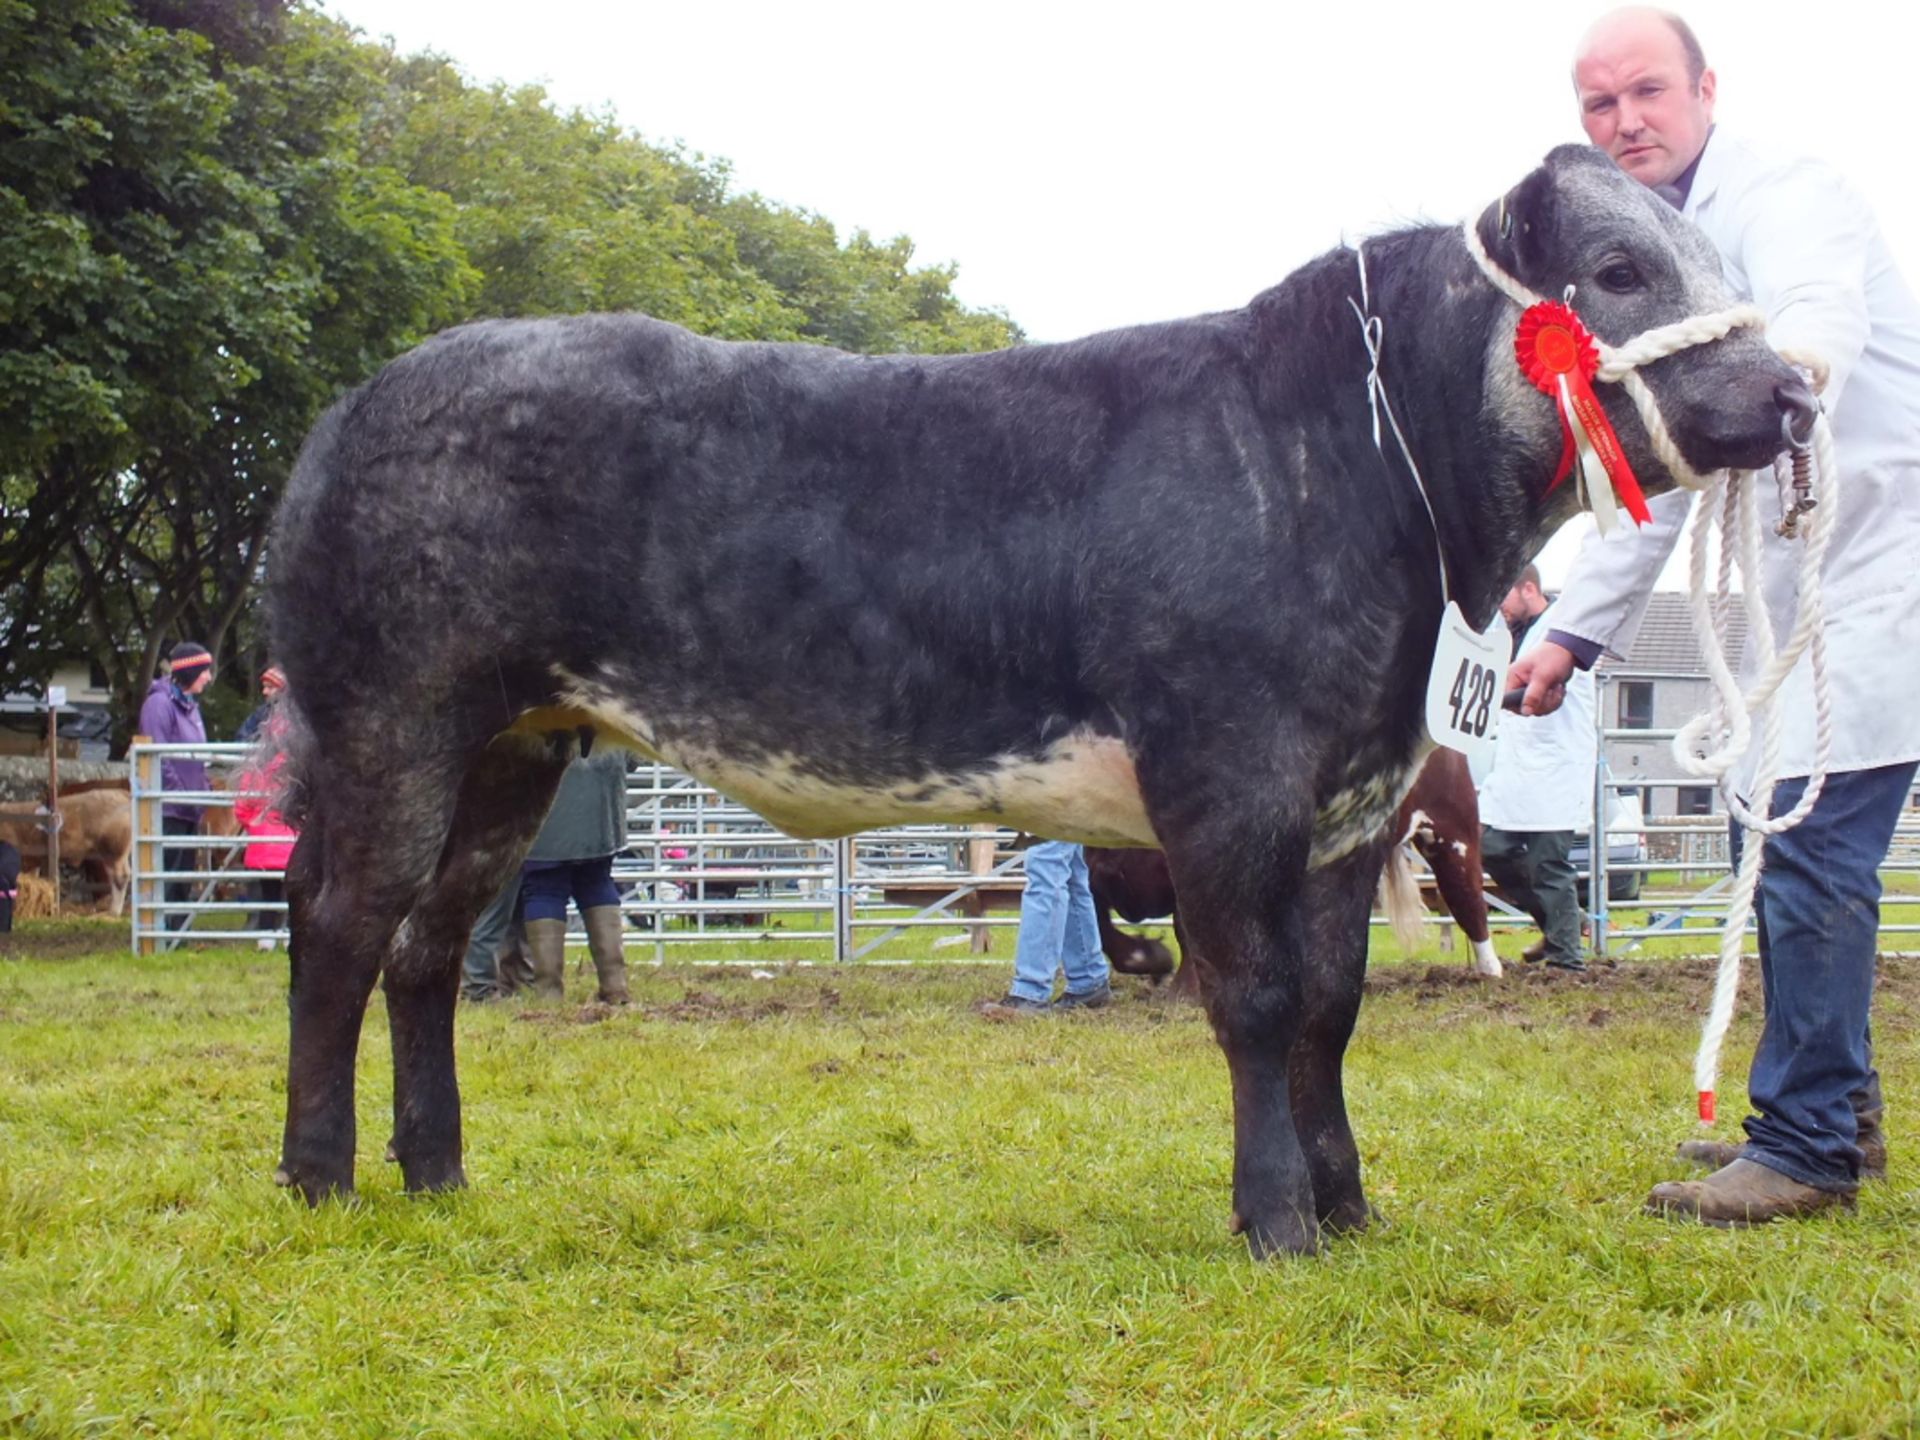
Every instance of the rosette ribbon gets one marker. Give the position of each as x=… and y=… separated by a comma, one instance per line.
x=1557, y=354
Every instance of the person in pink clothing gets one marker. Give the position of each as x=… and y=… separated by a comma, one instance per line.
x=269, y=837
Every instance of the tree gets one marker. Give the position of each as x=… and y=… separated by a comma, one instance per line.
x=217, y=215
x=193, y=261
x=564, y=213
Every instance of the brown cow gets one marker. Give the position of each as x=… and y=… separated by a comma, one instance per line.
x=1440, y=817
x=96, y=834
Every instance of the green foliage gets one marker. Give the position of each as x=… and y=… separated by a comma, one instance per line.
x=839, y=1202
x=194, y=262
x=563, y=213
x=216, y=216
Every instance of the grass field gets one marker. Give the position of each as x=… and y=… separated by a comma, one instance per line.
x=841, y=1202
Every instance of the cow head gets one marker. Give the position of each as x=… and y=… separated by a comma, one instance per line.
x=1635, y=266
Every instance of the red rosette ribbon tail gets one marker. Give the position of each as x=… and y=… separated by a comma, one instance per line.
x=1558, y=355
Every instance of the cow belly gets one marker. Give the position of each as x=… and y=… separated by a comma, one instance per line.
x=1359, y=813
x=1082, y=787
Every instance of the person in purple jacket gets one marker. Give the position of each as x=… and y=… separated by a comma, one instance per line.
x=170, y=715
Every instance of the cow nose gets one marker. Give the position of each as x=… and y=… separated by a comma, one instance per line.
x=1798, y=409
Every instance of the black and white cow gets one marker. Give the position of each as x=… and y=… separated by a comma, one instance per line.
x=1154, y=587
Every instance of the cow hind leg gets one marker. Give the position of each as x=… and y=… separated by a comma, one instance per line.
x=1458, y=877
x=1338, y=899
x=344, y=901
x=501, y=804
x=372, y=845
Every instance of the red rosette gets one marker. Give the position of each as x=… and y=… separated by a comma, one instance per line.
x=1552, y=342
x=1560, y=357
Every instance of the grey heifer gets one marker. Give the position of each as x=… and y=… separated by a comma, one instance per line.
x=1154, y=587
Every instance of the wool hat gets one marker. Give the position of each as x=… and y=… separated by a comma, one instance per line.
x=273, y=678
x=186, y=660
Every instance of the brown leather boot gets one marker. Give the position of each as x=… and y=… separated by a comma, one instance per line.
x=609, y=960
x=1741, y=1194
x=547, y=947
x=1535, y=952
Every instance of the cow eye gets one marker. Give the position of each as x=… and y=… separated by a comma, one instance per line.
x=1620, y=277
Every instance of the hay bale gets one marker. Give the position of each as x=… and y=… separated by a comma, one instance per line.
x=35, y=900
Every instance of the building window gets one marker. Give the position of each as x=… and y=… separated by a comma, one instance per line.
x=1636, y=704
x=97, y=676
x=1696, y=800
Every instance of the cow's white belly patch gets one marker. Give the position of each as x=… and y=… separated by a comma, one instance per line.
x=1355, y=815
x=1083, y=787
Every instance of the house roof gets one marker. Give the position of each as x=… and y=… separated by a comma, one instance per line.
x=1666, y=643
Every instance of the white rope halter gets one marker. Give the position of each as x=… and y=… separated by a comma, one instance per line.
x=1711, y=745
x=1621, y=364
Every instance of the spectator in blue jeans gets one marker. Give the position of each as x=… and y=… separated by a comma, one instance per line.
x=1057, y=932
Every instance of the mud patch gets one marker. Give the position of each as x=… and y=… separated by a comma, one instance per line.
x=1602, y=995
x=63, y=939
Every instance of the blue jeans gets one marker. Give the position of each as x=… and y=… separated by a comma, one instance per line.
x=545, y=886
x=1818, y=909
x=480, y=972
x=1057, y=928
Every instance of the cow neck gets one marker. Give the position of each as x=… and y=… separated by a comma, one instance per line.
x=1484, y=513
x=1378, y=402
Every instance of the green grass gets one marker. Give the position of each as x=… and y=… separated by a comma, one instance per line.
x=838, y=1202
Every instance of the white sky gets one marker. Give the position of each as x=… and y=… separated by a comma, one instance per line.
x=1089, y=166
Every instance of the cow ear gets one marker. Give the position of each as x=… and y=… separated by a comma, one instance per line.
x=1516, y=228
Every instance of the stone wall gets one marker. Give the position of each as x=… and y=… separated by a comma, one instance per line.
x=24, y=777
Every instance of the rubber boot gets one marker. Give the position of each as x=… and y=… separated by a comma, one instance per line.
x=547, y=945
x=511, y=963
x=603, y=924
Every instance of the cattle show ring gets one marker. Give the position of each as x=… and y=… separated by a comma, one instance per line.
x=419, y=476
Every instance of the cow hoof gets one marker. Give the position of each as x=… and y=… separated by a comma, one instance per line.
x=1264, y=1242
x=433, y=1179
x=393, y=1155
x=1350, y=1219
x=314, y=1192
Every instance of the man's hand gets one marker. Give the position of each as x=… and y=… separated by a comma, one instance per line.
x=1544, y=672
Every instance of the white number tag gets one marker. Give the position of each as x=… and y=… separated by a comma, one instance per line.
x=1466, y=683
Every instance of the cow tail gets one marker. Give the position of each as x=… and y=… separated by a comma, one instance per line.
x=1400, y=898
x=285, y=754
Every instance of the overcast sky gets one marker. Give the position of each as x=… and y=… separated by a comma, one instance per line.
x=1088, y=166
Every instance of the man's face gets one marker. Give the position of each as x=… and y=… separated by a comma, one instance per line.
x=1636, y=101
x=1516, y=607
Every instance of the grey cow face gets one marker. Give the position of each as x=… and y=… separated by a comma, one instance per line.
x=1635, y=265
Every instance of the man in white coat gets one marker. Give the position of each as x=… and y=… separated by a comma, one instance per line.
x=1799, y=242
x=1540, y=794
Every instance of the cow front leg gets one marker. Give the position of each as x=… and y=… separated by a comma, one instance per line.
x=1239, y=901
x=1336, y=903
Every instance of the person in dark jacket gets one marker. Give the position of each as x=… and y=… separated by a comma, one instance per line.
x=9, y=883
x=273, y=684
x=171, y=716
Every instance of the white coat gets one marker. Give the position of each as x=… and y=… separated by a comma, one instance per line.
x=1542, y=777
x=1796, y=240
